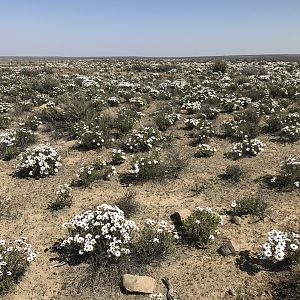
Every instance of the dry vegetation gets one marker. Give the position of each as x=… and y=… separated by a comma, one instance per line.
x=220, y=139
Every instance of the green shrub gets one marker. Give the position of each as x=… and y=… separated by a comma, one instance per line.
x=251, y=205
x=156, y=241
x=201, y=226
x=63, y=198
x=234, y=173
x=220, y=66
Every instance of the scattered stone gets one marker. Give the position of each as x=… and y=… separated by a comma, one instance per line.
x=236, y=220
x=179, y=216
x=138, y=284
x=231, y=247
x=232, y=292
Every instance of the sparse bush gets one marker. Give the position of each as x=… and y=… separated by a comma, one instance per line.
x=155, y=243
x=251, y=205
x=289, y=176
x=128, y=204
x=118, y=157
x=201, y=226
x=63, y=198
x=234, y=173
x=97, y=170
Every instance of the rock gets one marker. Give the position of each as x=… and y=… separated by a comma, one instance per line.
x=232, y=292
x=138, y=284
x=231, y=247
x=236, y=220
x=179, y=216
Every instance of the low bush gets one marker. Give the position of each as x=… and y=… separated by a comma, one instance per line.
x=250, y=205
x=234, y=173
x=201, y=226
x=63, y=197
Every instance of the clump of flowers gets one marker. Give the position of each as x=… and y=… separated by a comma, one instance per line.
x=204, y=131
x=143, y=139
x=192, y=123
x=103, y=232
x=156, y=241
x=201, y=226
x=63, y=197
x=97, y=170
x=290, y=133
x=147, y=168
x=41, y=161
x=5, y=107
x=118, y=157
x=280, y=245
x=15, y=257
x=138, y=101
x=164, y=120
x=113, y=101
x=7, y=144
x=248, y=147
x=205, y=150
x=90, y=136
x=32, y=123
x=192, y=107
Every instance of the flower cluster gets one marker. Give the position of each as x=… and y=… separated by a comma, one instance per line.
x=138, y=101
x=40, y=161
x=5, y=107
x=161, y=229
x=104, y=232
x=113, y=101
x=191, y=107
x=204, y=131
x=248, y=147
x=232, y=103
x=99, y=169
x=15, y=257
x=205, y=150
x=118, y=157
x=147, y=168
x=142, y=140
x=63, y=197
x=32, y=123
x=192, y=123
x=290, y=173
x=280, y=245
x=291, y=133
x=89, y=136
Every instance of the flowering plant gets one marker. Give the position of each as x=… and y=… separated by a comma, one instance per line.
x=99, y=169
x=205, y=150
x=40, y=161
x=15, y=257
x=103, y=232
x=118, y=157
x=202, y=226
x=280, y=245
x=63, y=197
x=156, y=241
x=143, y=139
x=248, y=147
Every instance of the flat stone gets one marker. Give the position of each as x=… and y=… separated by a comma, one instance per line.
x=138, y=284
x=236, y=220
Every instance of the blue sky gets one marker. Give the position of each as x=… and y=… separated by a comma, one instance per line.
x=149, y=28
